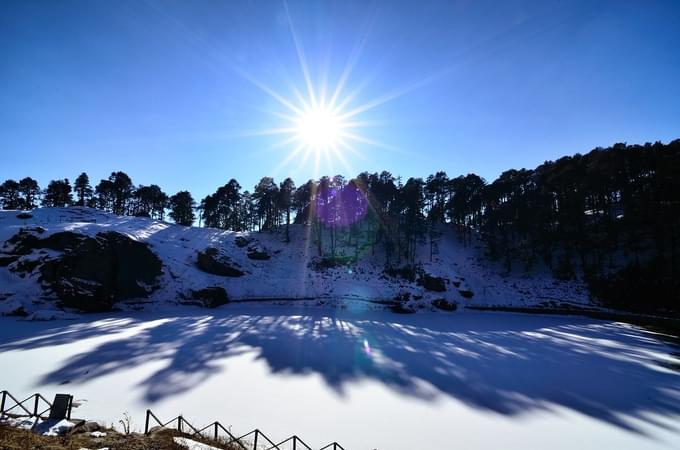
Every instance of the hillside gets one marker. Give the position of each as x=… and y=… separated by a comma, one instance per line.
x=271, y=268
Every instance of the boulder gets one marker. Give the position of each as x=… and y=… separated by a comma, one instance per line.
x=211, y=297
x=445, y=305
x=95, y=273
x=435, y=284
x=212, y=262
x=258, y=253
x=465, y=293
x=241, y=241
x=87, y=427
x=402, y=309
x=399, y=305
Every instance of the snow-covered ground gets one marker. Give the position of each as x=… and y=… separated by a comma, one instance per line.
x=368, y=379
x=288, y=275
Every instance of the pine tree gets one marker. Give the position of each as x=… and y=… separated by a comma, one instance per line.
x=182, y=208
x=83, y=189
x=58, y=194
x=286, y=192
x=10, y=195
x=30, y=191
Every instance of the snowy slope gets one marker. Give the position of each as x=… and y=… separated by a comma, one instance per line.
x=287, y=275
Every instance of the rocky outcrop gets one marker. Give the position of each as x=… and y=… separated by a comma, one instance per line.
x=6, y=260
x=211, y=261
x=211, y=297
x=93, y=273
x=435, y=284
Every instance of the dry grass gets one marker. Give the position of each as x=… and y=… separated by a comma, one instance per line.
x=16, y=439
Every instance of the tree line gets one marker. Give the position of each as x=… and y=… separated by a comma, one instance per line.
x=611, y=215
x=117, y=194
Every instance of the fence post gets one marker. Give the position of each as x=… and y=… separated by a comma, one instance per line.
x=179, y=424
x=255, y=443
x=2, y=402
x=294, y=442
x=215, y=430
x=35, y=405
x=146, y=422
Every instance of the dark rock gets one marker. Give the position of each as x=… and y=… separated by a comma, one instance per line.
x=445, y=304
x=87, y=427
x=465, y=293
x=402, y=297
x=241, y=241
x=25, y=265
x=18, y=312
x=435, y=284
x=98, y=272
x=24, y=216
x=402, y=309
x=6, y=260
x=211, y=297
x=408, y=273
x=258, y=254
x=212, y=262
x=61, y=241
x=24, y=242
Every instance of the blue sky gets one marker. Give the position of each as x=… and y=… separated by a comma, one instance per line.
x=178, y=93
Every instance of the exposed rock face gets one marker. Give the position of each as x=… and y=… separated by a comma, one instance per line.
x=6, y=260
x=436, y=284
x=93, y=273
x=101, y=271
x=212, y=262
x=211, y=297
x=65, y=240
x=445, y=305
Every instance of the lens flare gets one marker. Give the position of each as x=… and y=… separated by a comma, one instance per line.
x=367, y=347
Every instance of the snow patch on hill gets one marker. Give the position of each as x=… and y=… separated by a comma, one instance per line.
x=289, y=274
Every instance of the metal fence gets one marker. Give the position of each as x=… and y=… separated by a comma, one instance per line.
x=253, y=440
x=38, y=406
x=36, y=403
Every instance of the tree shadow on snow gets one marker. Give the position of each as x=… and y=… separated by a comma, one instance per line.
x=504, y=363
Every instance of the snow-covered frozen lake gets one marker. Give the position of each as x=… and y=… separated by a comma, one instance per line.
x=368, y=379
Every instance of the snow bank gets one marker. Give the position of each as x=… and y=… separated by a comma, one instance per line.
x=39, y=426
x=193, y=445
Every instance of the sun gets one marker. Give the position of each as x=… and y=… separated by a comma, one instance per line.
x=319, y=128
x=321, y=119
